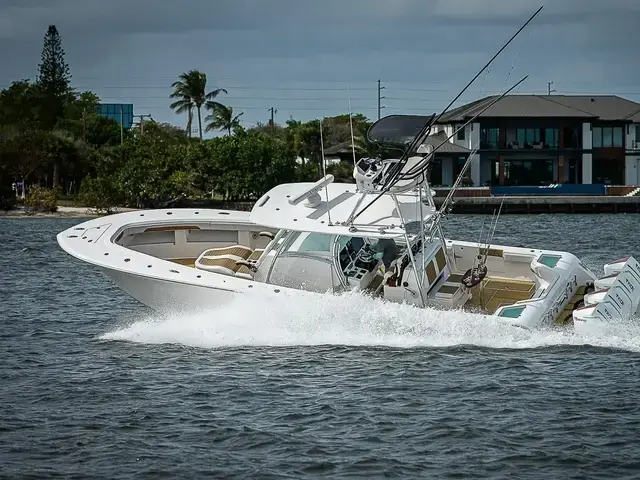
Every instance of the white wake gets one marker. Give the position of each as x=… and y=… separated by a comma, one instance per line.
x=355, y=320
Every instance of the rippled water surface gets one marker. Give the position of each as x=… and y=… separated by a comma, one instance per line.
x=93, y=385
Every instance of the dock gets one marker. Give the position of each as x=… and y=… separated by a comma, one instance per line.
x=545, y=204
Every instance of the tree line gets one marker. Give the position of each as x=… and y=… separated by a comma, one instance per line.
x=54, y=142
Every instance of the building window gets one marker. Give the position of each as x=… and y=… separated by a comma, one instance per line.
x=460, y=134
x=458, y=164
x=527, y=172
x=637, y=136
x=489, y=138
x=618, y=137
x=608, y=137
x=551, y=138
x=527, y=137
x=597, y=137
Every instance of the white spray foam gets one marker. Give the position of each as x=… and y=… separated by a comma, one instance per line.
x=352, y=319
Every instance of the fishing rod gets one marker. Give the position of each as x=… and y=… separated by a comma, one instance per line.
x=489, y=62
x=411, y=173
x=387, y=188
x=397, y=168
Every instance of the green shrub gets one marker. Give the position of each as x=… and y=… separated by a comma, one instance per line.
x=41, y=199
x=99, y=194
x=342, y=172
x=7, y=198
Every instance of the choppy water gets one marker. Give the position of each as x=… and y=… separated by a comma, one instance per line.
x=92, y=385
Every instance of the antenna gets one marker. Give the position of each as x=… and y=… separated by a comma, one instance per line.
x=353, y=145
x=324, y=173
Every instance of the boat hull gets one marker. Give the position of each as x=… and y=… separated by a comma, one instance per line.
x=165, y=296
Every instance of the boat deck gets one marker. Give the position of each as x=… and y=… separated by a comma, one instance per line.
x=187, y=262
x=494, y=292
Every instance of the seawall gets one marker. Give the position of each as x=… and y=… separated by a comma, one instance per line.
x=545, y=204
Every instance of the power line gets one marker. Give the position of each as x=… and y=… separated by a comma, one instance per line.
x=214, y=79
x=393, y=86
x=398, y=89
x=304, y=109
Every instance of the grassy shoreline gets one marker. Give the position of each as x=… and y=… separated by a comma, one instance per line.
x=62, y=212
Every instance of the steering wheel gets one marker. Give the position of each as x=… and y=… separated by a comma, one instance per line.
x=366, y=253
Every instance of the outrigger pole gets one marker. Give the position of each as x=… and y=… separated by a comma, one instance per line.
x=489, y=62
x=487, y=107
x=397, y=169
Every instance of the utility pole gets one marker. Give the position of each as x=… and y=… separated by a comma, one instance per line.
x=380, y=97
x=84, y=125
x=121, y=124
x=273, y=113
x=549, y=88
x=142, y=117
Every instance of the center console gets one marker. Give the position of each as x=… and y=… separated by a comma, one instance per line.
x=358, y=276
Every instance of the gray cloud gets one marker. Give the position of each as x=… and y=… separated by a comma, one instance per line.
x=436, y=45
x=24, y=18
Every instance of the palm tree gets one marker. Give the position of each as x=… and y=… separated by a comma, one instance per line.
x=190, y=92
x=221, y=117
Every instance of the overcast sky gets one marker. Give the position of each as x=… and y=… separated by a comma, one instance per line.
x=303, y=56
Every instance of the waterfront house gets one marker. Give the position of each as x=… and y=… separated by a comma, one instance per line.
x=536, y=140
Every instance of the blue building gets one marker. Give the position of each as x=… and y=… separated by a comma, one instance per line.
x=118, y=111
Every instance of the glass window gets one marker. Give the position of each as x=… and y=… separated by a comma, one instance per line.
x=311, y=242
x=529, y=135
x=512, y=312
x=435, y=173
x=607, y=137
x=527, y=172
x=458, y=164
x=460, y=134
x=551, y=137
x=618, y=137
x=489, y=137
x=637, y=134
x=521, y=136
x=597, y=137
x=549, y=260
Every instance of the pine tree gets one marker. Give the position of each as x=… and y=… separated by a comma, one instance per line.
x=54, y=80
x=54, y=76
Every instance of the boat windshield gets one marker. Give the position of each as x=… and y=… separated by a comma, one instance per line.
x=310, y=242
